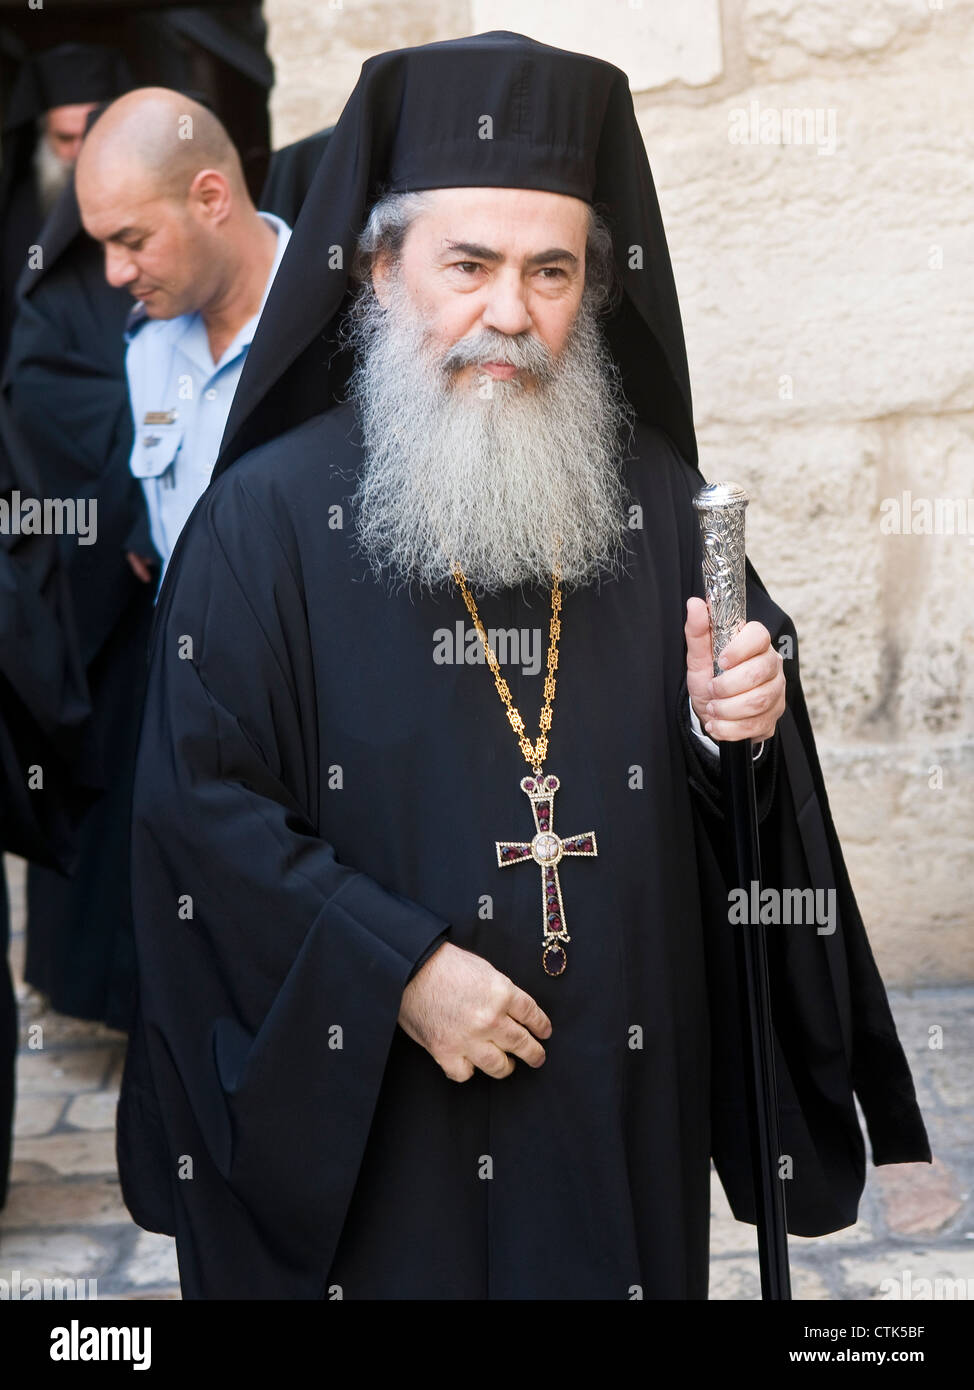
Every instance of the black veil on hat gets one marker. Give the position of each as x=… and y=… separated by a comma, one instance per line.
x=558, y=121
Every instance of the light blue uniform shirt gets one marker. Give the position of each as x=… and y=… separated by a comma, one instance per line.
x=180, y=402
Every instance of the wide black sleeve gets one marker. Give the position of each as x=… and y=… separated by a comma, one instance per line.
x=835, y=1037
x=254, y=942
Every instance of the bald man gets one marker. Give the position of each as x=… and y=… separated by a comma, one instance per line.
x=160, y=185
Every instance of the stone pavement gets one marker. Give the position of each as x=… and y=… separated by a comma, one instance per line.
x=65, y=1217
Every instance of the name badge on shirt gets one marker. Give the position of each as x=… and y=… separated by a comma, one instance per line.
x=157, y=417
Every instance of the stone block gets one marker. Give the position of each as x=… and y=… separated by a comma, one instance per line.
x=36, y=1115
x=908, y=848
x=93, y=1110
x=71, y=1154
x=653, y=46
x=784, y=32
x=318, y=48
x=919, y=1199
x=59, y=1070
x=94, y=1202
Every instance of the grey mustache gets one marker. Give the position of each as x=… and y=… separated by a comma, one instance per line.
x=523, y=352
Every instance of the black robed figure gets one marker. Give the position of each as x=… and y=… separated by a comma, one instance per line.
x=64, y=385
x=352, y=1068
x=59, y=84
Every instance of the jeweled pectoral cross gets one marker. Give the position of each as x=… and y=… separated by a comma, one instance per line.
x=547, y=850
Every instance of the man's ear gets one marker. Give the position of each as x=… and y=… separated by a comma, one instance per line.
x=381, y=275
x=210, y=190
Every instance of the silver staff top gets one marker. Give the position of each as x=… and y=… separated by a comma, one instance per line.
x=720, y=511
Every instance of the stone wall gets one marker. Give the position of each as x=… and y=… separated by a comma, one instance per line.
x=813, y=164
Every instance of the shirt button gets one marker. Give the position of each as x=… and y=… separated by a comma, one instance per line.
x=210, y=394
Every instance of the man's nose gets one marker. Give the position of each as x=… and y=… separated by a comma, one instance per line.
x=506, y=309
x=120, y=269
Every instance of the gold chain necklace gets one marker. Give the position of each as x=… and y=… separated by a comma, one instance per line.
x=546, y=849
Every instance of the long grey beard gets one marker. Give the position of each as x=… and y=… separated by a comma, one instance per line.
x=498, y=479
x=51, y=175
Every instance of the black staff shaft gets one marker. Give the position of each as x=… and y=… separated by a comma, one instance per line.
x=740, y=802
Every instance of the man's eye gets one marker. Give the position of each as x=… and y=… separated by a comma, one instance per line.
x=552, y=272
x=466, y=265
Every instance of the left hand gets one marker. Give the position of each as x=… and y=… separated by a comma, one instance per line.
x=748, y=699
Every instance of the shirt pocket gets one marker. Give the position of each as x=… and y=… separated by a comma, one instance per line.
x=154, y=452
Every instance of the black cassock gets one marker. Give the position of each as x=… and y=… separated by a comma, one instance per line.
x=317, y=804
